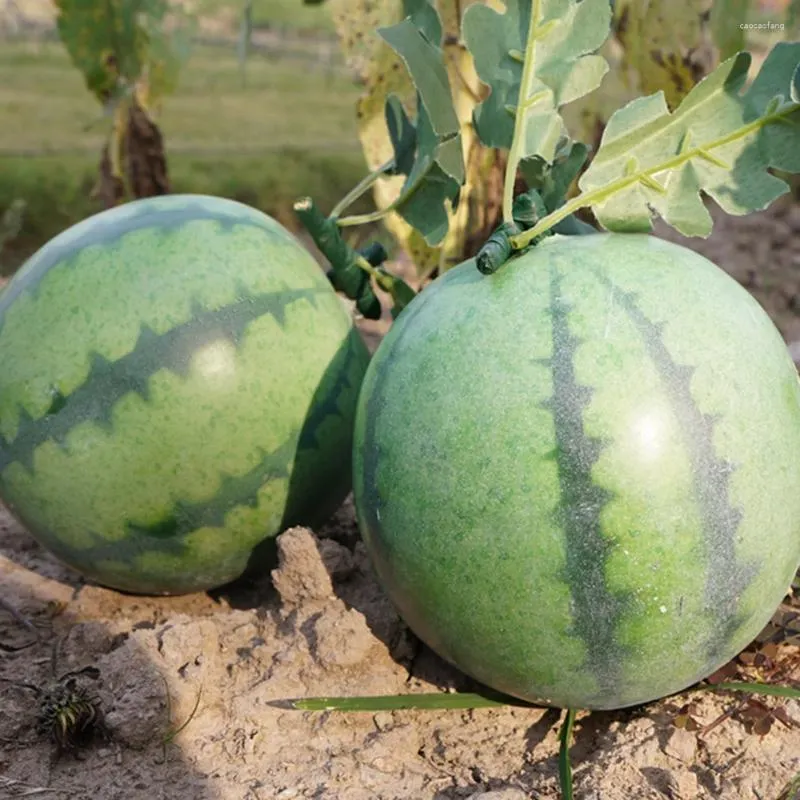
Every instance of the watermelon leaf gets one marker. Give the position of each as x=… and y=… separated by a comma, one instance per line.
x=535, y=58
x=436, y=173
x=719, y=141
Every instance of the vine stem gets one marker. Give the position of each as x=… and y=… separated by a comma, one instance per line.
x=521, y=119
x=522, y=240
x=361, y=188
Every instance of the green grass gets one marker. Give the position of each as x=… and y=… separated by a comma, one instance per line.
x=289, y=131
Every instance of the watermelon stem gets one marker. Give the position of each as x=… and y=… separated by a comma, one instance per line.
x=361, y=188
x=564, y=766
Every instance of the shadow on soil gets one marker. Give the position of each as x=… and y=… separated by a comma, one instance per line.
x=42, y=644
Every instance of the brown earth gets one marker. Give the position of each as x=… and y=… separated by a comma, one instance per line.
x=323, y=627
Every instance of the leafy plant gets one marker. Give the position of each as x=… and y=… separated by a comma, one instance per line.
x=130, y=53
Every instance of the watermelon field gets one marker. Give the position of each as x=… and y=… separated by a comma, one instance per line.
x=125, y=677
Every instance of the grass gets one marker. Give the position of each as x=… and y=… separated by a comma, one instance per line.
x=289, y=131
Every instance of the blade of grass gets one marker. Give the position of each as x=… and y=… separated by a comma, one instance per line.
x=434, y=702
x=792, y=789
x=754, y=688
x=564, y=766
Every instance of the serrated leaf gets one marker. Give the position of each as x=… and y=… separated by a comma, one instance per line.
x=718, y=141
x=438, y=169
x=103, y=40
x=382, y=73
x=423, y=59
x=554, y=37
x=726, y=18
x=431, y=181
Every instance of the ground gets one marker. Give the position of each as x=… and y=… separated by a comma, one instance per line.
x=321, y=626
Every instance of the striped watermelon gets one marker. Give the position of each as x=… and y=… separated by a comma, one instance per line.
x=579, y=478
x=178, y=384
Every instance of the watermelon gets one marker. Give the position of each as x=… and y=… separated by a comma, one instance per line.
x=578, y=479
x=178, y=384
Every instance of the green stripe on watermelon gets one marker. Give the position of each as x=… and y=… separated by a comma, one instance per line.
x=149, y=384
x=595, y=609
x=727, y=579
x=467, y=532
x=108, y=381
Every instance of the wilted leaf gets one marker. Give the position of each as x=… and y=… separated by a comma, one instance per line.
x=717, y=141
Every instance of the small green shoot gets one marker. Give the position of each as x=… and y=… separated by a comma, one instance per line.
x=564, y=765
x=774, y=690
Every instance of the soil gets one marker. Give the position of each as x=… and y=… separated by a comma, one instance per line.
x=227, y=661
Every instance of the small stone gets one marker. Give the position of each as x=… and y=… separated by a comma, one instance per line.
x=383, y=720
x=500, y=794
x=682, y=744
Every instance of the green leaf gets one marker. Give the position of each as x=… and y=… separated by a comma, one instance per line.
x=431, y=181
x=726, y=17
x=718, y=141
x=553, y=180
x=754, y=688
x=403, y=135
x=432, y=702
x=425, y=17
x=437, y=172
x=534, y=59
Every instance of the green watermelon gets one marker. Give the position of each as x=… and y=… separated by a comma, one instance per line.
x=579, y=478
x=178, y=384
